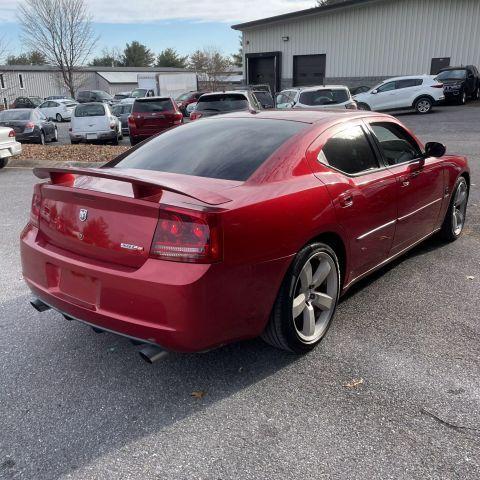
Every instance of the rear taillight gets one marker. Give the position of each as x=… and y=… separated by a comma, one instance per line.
x=437, y=85
x=112, y=125
x=11, y=133
x=131, y=121
x=187, y=236
x=351, y=106
x=177, y=118
x=36, y=205
x=29, y=126
x=194, y=115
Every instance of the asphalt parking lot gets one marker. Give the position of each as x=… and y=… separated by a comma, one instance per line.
x=392, y=392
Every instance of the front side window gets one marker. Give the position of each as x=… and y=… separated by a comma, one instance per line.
x=90, y=110
x=411, y=82
x=349, y=151
x=386, y=87
x=396, y=145
x=324, y=96
x=228, y=148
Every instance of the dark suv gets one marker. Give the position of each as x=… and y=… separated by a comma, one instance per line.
x=27, y=102
x=460, y=83
x=86, y=96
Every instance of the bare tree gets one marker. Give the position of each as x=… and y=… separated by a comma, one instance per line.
x=62, y=31
x=210, y=65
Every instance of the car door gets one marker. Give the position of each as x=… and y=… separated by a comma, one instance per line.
x=420, y=182
x=362, y=192
x=406, y=91
x=383, y=99
x=45, y=108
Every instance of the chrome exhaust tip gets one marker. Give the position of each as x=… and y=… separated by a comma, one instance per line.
x=39, y=306
x=151, y=353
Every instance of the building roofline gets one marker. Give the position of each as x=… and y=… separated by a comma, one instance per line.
x=303, y=13
x=49, y=68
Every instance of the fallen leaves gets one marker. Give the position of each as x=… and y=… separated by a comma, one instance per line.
x=356, y=382
x=71, y=153
x=198, y=394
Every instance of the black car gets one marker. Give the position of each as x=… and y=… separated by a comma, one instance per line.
x=360, y=89
x=29, y=125
x=27, y=102
x=460, y=83
x=122, y=112
x=87, y=96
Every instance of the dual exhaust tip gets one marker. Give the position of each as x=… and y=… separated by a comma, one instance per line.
x=149, y=353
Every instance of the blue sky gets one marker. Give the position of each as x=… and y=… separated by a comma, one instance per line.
x=181, y=24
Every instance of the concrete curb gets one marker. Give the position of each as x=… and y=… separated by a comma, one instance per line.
x=46, y=163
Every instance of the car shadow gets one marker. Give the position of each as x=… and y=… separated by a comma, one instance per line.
x=90, y=394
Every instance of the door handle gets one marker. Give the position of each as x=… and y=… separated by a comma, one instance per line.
x=415, y=174
x=346, y=200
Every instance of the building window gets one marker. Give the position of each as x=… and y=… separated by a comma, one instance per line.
x=5, y=103
x=20, y=79
x=2, y=81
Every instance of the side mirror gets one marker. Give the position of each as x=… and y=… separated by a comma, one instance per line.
x=435, y=149
x=374, y=92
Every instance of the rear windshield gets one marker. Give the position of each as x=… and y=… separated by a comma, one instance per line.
x=184, y=96
x=138, y=92
x=228, y=148
x=459, y=74
x=90, y=110
x=103, y=95
x=15, y=115
x=227, y=102
x=324, y=97
x=157, y=105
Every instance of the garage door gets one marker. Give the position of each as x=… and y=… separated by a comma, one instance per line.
x=308, y=69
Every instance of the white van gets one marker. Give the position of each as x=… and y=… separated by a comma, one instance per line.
x=94, y=122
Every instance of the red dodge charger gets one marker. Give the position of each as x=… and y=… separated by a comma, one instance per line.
x=239, y=225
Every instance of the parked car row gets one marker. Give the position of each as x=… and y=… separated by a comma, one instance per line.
x=29, y=125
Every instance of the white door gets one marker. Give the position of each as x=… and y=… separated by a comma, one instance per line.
x=384, y=98
x=407, y=90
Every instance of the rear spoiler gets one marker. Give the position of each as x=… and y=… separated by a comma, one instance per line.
x=142, y=188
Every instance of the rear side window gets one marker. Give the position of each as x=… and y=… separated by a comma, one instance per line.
x=91, y=110
x=410, y=82
x=324, y=97
x=230, y=148
x=396, y=144
x=222, y=103
x=349, y=151
x=157, y=105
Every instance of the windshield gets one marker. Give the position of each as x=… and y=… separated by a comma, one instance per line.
x=229, y=149
x=265, y=99
x=90, y=110
x=184, y=96
x=15, y=115
x=324, y=96
x=138, y=92
x=103, y=95
x=227, y=102
x=452, y=75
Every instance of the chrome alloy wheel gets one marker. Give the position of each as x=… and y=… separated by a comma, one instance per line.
x=459, y=207
x=424, y=106
x=315, y=297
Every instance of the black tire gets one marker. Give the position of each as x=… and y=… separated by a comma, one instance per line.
x=59, y=118
x=55, y=136
x=114, y=141
x=363, y=106
x=281, y=331
x=462, y=99
x=476, y=94
x=133, y=141
x=41, y=138
x=423, y=105
x=447, y=231
x=3, y=162
x=74, y=142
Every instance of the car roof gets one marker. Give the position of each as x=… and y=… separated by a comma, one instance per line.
x=243, y=92
x=408, y=77
x=149, y=99
x=306, y=116
x=460, y=67
x=19, y=110
x=314, y=87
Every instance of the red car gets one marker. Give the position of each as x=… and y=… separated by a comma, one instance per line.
x=185, y=99
x=257, y=228
x=152, y=115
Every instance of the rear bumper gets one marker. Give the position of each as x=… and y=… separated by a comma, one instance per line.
x=10, y=149
x=178, y=306
x=101, y=136
x=28, y=137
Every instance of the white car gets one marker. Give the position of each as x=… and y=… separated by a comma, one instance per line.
x=8, y=145
x=323, y=96
x=94, y=122
x=59, y=109
x=420, y=92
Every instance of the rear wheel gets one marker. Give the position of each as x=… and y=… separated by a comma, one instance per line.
x=59, y=118
x=423, y=105
x=363, y=106
x=3, y=162
x=55, y=135
x=306, y=302
x=454, y=221
x=41, y=138
x=462, y=100
x=133, y=141
x=476, y=94
x=74, y=142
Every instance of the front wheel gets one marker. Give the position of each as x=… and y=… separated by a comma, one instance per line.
x=59, y=118
x=423, y=105
x=306, y=302
x=463, y=98
x=363, y=106
x=454, y=222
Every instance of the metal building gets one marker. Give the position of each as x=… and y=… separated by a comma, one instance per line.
x=361, y=42
x=45, y=80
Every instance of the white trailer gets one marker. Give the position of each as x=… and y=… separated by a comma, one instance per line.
x=168, y=84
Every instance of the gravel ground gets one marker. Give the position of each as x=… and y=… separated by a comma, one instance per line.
x=77, y=405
